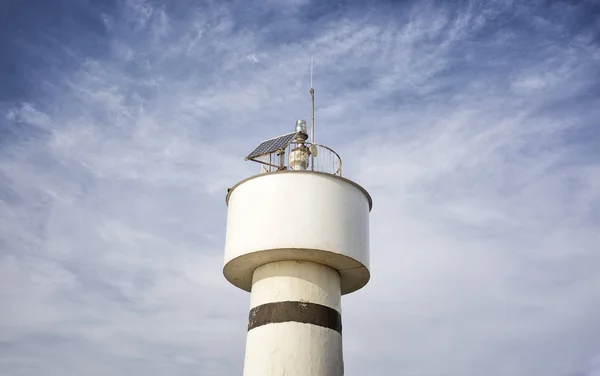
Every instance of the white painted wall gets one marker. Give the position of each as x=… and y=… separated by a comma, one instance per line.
x=293, y=349
x=300, y=281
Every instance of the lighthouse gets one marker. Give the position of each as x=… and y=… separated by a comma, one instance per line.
x=297, y=239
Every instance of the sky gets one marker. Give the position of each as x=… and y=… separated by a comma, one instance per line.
x=474, y=125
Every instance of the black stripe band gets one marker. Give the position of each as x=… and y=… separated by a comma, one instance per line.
x=307, y=313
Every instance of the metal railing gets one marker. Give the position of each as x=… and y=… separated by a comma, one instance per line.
x=326, y=160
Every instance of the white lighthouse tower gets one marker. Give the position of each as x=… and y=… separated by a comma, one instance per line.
x=297, y=239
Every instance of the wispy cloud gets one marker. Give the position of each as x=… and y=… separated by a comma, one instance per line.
x=473, y=126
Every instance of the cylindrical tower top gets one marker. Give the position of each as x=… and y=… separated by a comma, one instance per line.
x=267, y=223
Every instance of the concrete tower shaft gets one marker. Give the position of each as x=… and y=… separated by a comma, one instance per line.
x=295, y=322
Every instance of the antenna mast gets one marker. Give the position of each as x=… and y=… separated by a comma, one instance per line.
x=312, y=119
x=312, y=94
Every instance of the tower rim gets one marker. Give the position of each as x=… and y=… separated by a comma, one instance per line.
x=353, y=273
x=363, y=190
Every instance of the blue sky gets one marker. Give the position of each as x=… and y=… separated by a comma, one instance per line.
x=474, y=126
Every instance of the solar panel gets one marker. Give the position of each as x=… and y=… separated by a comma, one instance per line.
x=272, y=145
